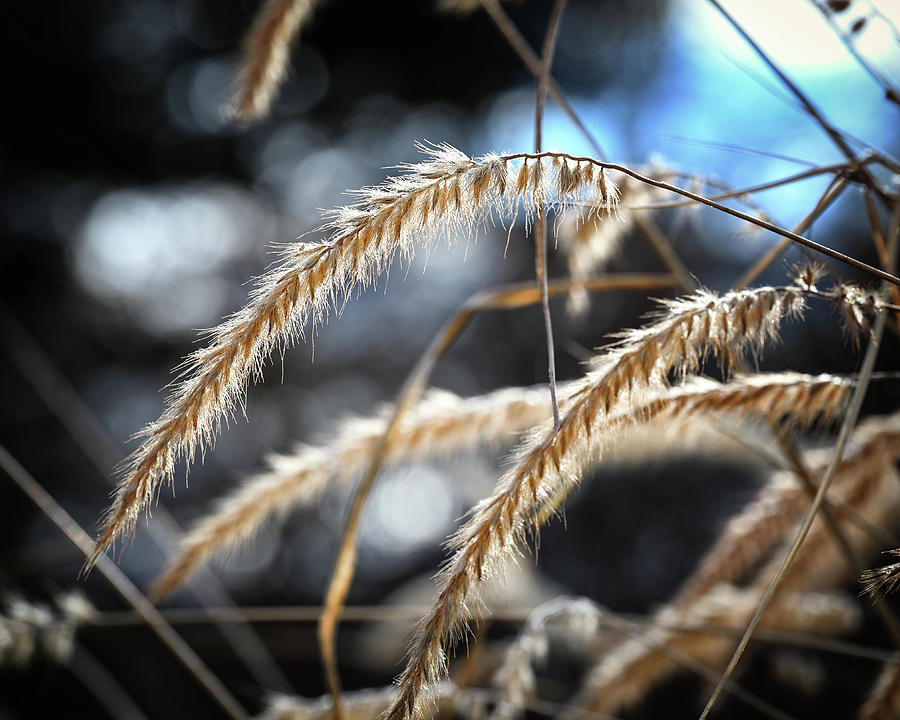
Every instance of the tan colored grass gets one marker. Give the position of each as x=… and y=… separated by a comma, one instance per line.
x=544, y=474
x=447, y=193
x=267, y=51
x=753, y=533
x=875, y=496
x=442, y=423
x=869, y=483
x=865, y=480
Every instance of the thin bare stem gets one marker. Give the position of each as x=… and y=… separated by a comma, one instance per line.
x=851, y=556
x=531, y=61
x=540, y=229
x=836, y=168
x=512, y=615
x=104, y=453
x=890, y=92
x=806, y=242
x=886, y=19
x=533, y=64
x=687, y=661
x=832, y=192
x=750, y=536
x=134, y=597
x=811, y=109
x=880, y=246
x=835, y=135
x=666, y=252
x=342, y=575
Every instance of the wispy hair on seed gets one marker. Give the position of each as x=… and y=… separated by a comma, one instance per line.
x=543, y=474
x=441, y=423
x=447, y=193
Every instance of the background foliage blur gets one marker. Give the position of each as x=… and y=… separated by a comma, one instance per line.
x=132, y=214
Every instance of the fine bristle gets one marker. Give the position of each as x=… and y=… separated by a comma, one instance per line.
x=447, y=193
x=542, y=477
x=441, y=423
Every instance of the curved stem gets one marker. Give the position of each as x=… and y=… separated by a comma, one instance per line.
x=806, y=242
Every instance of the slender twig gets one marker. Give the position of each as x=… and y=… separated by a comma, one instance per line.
x=535, y=67
x=847, y=426
x=666, y=252
x=134, y=597
x=540, y=229
x=892, y=26
x=880, y=246
x=832, y=192
x=890, y=92
x=835, y=135
x=740, y=149
x=104, y=453
x=808, y=105
x=700, y=669
x=786, y=444
x=531, y=61
x=511, y=615
x=875, y=225
x=836, y=168
x=851, y=556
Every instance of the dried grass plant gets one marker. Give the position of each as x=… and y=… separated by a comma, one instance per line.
x=782, y=564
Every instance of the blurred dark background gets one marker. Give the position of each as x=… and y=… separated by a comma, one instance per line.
x=132, y=214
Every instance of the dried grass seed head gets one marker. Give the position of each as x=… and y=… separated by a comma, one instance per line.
x=446, y=193
x=441, y=423
x=544, y=473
